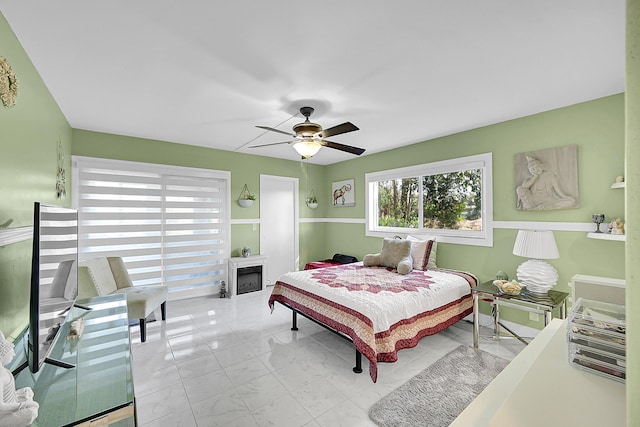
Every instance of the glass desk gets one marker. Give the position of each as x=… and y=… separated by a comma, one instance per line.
x=99, y=390
x=541, y=304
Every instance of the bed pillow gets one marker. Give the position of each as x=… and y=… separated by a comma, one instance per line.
x=396, y=253
x=423, y=252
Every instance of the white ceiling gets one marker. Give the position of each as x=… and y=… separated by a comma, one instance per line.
x=206, y=72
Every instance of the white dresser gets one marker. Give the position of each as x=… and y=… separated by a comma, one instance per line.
x=540, y=388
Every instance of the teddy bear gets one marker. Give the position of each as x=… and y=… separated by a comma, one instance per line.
x=617, y=226
x=395, y=253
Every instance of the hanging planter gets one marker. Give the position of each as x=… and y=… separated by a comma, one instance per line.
x=312, y=200
x=246, y=199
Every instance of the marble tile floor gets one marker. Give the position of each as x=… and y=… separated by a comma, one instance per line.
x=231, y=362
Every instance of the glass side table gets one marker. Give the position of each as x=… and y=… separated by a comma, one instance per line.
x=541, y=304
x=99, y=389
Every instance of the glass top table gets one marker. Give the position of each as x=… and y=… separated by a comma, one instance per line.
x=101, y=382
x=535, y=303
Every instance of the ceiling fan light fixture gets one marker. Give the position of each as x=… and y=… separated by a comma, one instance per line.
x=307, y=147
x=310, y=137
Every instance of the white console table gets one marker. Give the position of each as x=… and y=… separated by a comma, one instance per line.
x=236, y=263
x=540, y=388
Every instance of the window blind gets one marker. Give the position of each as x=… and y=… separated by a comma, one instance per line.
x=169, y=224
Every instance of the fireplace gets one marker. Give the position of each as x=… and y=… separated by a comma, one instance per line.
x=247, y=275
x=249, y=279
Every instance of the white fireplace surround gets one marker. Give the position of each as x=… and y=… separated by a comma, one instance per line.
x=236, y=263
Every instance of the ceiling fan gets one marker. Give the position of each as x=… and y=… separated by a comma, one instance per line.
x=310, y=137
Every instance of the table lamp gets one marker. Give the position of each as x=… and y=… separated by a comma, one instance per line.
x=537, y=275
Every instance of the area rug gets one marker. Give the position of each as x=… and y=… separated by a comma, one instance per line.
x=437, y=395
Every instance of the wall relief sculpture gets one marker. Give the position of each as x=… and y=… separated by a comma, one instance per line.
x=547, y=179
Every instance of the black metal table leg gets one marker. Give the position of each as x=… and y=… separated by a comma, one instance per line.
x=358, y=367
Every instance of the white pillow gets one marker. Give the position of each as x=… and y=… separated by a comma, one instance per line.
x=423, y=252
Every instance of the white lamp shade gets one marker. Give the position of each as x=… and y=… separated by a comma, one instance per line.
x=536, y=275
x=536, y=244
x=307, y=148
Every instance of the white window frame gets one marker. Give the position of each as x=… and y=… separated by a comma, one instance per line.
x=483, y=237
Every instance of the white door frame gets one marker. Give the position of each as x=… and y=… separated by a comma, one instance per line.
x=296, y=215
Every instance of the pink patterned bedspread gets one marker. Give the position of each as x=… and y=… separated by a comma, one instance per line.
x=380, y=310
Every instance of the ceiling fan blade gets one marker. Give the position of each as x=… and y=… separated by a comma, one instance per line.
x=337, y=130
x=347, y=148
x=275, y=130
x=273, y=143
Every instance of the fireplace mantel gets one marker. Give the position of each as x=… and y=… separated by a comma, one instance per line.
x=236, y=263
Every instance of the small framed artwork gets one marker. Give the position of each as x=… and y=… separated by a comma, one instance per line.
x=343, y=193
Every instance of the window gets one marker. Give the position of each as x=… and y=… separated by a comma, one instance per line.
x=450, y=199
x=169, y=224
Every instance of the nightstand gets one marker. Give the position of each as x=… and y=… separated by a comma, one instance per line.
x=541, y=304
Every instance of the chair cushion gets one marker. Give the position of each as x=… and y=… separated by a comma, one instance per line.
x=101, y=275
x=86, y=287
x=142, y=300
x=120, y=273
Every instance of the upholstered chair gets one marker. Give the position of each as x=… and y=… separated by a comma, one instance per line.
x=108, y=275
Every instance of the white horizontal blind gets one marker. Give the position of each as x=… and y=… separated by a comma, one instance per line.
x=169, y=224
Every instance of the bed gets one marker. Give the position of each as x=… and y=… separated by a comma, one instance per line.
x=376, y=308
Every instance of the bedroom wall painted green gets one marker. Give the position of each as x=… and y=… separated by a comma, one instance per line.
x=29, y=135
x=596, y=127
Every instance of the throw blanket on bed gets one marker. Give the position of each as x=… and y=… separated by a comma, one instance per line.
x=379, y=309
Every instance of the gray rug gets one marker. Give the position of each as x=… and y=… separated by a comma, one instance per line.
x=437, y=395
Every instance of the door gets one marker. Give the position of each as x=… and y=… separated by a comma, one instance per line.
x=279, y=225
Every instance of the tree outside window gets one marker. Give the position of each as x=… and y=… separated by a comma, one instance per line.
x=450, y=198
x=449, y=201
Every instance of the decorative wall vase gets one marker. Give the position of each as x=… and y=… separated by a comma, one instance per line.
x=61, y=185
x=246, y=198
x=312, y=200
x=8, y=84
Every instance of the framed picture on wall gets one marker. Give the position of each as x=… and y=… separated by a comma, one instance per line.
x=343, y=193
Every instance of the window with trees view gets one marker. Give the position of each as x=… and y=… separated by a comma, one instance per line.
x=451, y=199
